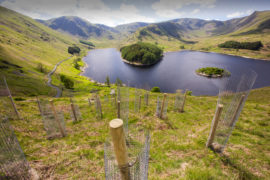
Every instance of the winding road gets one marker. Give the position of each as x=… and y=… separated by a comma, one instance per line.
x=49, y=83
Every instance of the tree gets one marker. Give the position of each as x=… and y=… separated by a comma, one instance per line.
x=108, y=81
x=68, y=83
x=119, y=82
x=41, y=68
x=74, y=50
x=155, y=89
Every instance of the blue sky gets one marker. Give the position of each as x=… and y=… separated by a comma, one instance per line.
x=115, y=12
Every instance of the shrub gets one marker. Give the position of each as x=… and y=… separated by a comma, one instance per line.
x=87, y=43
x=41, y=68
x=68, y=83
x=155, y=89
x=75, y=63
x=74, y=50
x=242, y=45
x=118, y=82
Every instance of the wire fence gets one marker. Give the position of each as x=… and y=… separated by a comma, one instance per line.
x=53, y=120
x=138, y=144
x=232, y=98
x=161, y=107
x=99, y=114
x=137, y=101
x=75, y=112
x=123, y=97
x=13, y=164
x=179, y=100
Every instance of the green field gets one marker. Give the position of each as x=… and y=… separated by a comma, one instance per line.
x=177, y=148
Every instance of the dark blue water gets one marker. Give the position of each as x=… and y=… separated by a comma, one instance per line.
x=175, y=71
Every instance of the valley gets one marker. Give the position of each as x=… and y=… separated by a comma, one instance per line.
x=38, y=64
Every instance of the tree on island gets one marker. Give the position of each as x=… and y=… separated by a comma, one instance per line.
x=142, y=53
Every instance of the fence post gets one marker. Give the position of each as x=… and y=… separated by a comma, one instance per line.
x=214, y=126
x=120, y=149
x=73, y=109
x=11, y=99
x=184, y=101
x=39, y=107
x=57, y=119
x=237, y=109
x=162, y=106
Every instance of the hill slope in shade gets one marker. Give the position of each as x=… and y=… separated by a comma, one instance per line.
x=79, y=27
x=25, y=43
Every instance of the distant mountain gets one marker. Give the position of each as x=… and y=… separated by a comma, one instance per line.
x=188, y=29
x=79, y=27
x=131, y=27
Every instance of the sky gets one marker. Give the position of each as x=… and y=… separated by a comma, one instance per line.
x=116, y=12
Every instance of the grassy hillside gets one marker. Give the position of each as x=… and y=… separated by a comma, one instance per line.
x=24, y=43
x=177, y=148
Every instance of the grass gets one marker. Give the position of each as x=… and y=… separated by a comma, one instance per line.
x=175, y=153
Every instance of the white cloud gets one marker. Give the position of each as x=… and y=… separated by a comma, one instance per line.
x=95, y=11
x=195, y=11
x=171, y=8
x=239, y=14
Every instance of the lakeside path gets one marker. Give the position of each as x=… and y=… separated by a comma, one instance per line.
x=49, y=83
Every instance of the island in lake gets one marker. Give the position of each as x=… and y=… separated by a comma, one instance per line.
x=141, y=54
x=212, y=72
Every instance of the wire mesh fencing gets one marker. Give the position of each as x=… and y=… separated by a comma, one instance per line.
x=53, y=120
x=13, y=164
x=146, y=98
x=137, y=101
x=230, y=103
x=138, y=145
x=123, y=97
x=99, y=114
x=7, y=102
x=179, y=100
x=75, y=112
x=161, y=108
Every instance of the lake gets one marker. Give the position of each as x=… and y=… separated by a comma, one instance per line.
x=175, y=71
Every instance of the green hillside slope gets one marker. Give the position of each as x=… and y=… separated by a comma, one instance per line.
x=24, y=43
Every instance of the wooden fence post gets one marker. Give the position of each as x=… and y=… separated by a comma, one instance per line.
x=120, y=149
x=11, y=99
x=118, y=109
x=57, y=119
x=163, y=104
x=39, y=107
x=214, y=127
x=237, y=109
x=73, y=109
x=184, y=101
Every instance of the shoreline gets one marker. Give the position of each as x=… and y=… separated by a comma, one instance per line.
x=138, y=64
x=247, y=57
